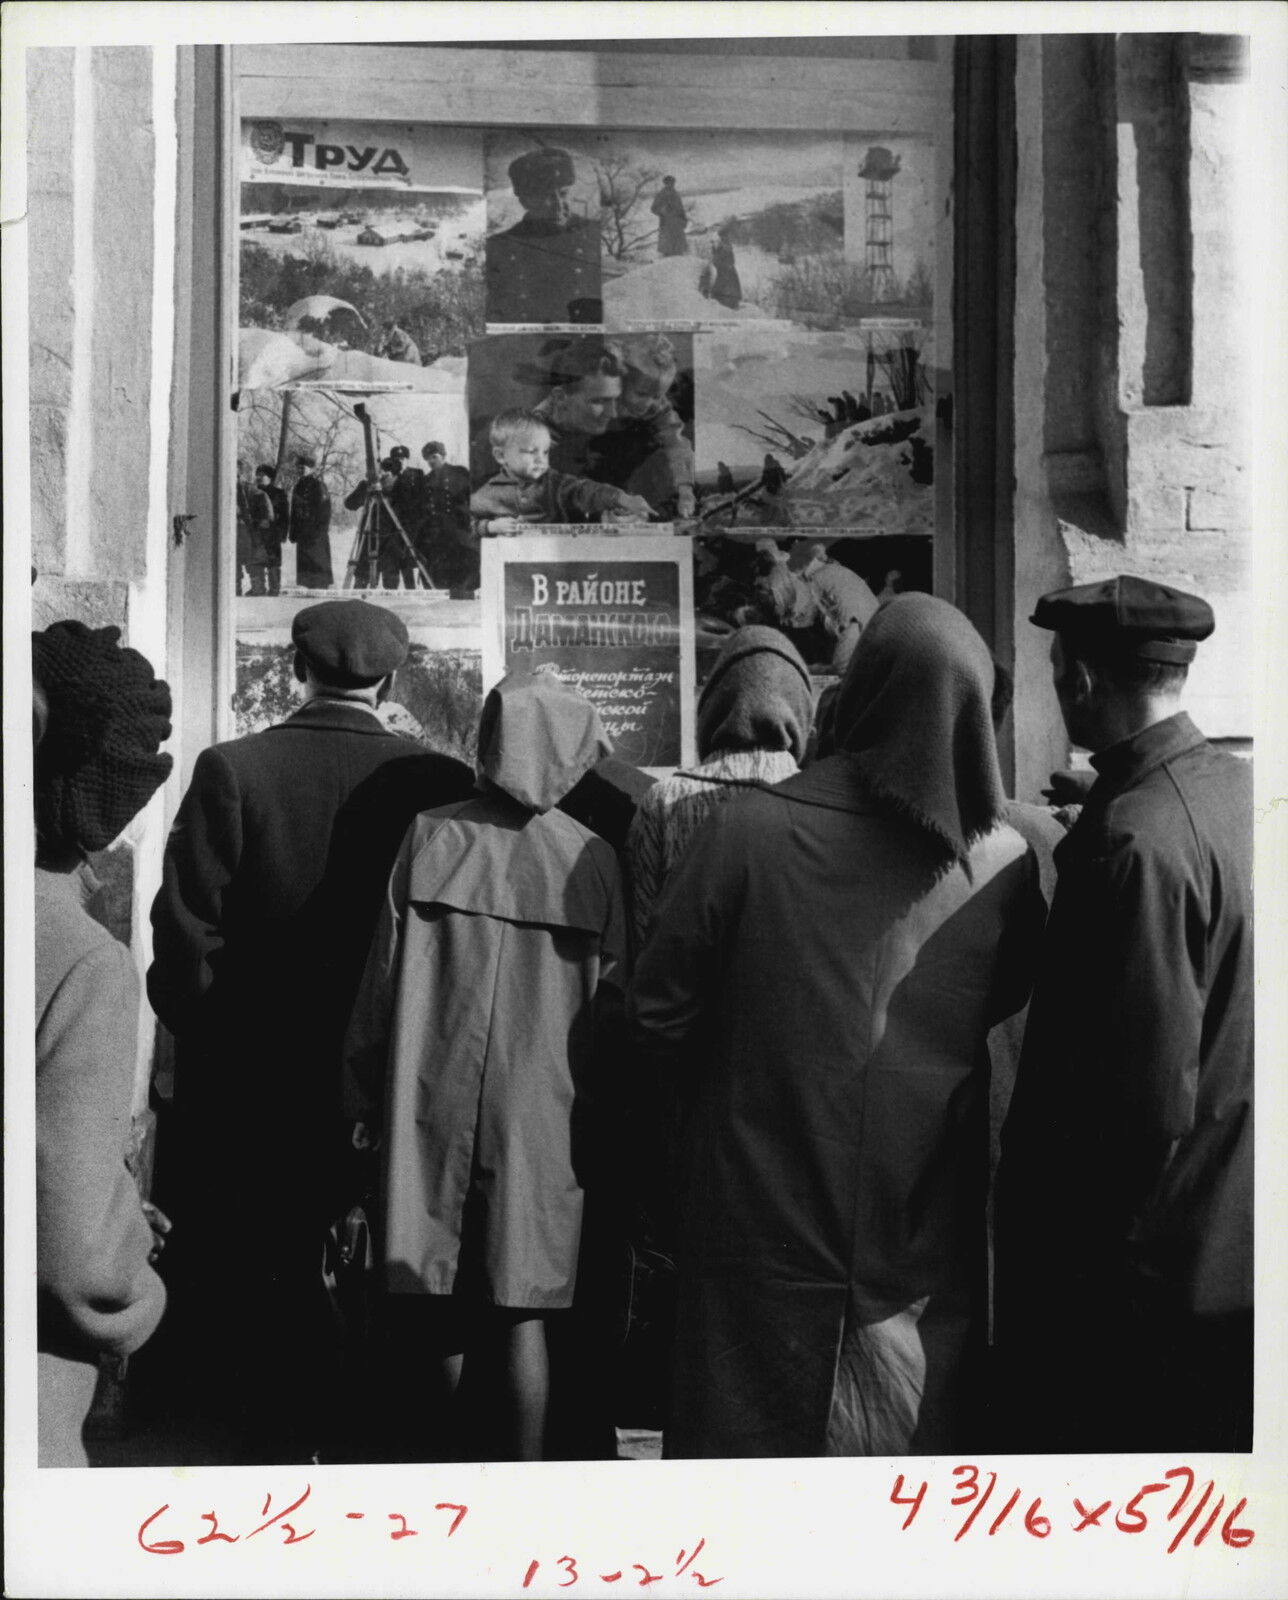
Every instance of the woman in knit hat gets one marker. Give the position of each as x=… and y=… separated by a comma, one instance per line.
x=753, y=722
x=823, y=968
x=101, y=716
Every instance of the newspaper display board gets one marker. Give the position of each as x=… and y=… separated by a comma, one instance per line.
x=612, y=616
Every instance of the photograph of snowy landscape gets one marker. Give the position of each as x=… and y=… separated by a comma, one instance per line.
x=714, y=227
x=361, y=252
x=802, y=429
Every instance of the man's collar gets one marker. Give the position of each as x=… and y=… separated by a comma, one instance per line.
x=322, y=711
x=1130, y=759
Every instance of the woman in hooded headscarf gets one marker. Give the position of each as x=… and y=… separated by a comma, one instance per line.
x=753, y=723
x=823, y=967
x=472, y=1048
x=101, y=717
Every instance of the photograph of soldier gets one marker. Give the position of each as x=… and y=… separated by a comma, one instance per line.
x=816, y=428
x=543, y=265
x=447, y=543
x=361, y=273
x=382, y=506
x=259, y=548
x=619, y=409
x=313, y=442
x=310, y=526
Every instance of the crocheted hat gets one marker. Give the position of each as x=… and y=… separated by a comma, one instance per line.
x=98, y=763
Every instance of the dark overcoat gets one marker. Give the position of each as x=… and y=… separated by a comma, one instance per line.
x=821, y=990
x=537, y=273
x=271, y=885
x=310, y=532
x=1124, y=1202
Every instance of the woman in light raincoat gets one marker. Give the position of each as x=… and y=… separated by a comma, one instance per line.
x=472, y=1047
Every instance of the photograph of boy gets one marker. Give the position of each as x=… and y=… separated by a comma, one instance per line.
x=528, y=490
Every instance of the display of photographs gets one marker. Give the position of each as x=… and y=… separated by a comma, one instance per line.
x=303, y=456
x=543, y=230
x=797, y=428
x=437, y=694
x=619, y=409
x=706, y=227
x=361, y=254
x=818, y=586
x=891, y=219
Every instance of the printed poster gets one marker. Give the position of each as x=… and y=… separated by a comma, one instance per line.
x=611, y=616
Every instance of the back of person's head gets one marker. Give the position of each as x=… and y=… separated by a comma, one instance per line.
x=266, y=470
x=759, y=696
x=913, y=714
x=538, y=737
x=513, y=424
x=99, y=760
x=348, y=646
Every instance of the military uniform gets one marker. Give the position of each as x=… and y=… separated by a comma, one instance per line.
x=310, y=533
x=1124, y=1200
x=544, y=271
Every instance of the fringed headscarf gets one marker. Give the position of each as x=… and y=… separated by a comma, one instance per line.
x=913, y=713
x=537, y=738
x=758, y=696
x=98, y=762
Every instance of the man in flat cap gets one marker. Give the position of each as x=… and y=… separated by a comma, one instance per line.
x=272, y=881
x=546, y=268
x=1124, y=1197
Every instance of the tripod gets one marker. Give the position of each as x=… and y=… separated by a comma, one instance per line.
x=378, y=524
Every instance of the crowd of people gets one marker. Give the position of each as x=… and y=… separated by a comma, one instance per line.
x=451, y=1045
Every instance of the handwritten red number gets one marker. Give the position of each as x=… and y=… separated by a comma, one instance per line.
x=704, y=1583
x=1005, y=1512
x=680, y=1559
x=174, y=1547
x=1191, y=1519
x=570, y=1567
x=292, y=1536
x=447, y=1505
x=649, y=1577
x=969, y=1489
x=1132, y=1509
x=1236, y=1537
x=1039, y=1526
x=898, y=1498
x=208, y=1538
x=1177, y=1472
x=404, y=1532
x=978, y=1507
x=530, y=1573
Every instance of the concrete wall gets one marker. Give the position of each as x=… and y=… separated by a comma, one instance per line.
x=1130, y=410
x=101, y=132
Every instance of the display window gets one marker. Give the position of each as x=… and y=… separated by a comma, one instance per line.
x=459, y=316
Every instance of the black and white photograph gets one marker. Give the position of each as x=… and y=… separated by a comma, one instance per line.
x=655, y=733
x=617, y=410
x=543, y=230
x=718, y=228
x=358, y=488
x=361, y=251
x=816, y=428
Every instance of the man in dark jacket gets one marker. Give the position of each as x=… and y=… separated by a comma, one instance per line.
x=310, y=527
x=545, y=268
x=1124, y=1203
x=272, y=882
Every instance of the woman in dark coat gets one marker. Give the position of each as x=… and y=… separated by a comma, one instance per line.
x=726, y=286
x=97, y=764
x=668, y=208
x=473, y=1045
x=822, y=971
